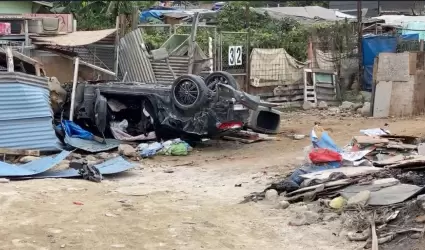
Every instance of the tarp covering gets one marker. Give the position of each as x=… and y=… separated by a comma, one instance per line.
x=74, y=39
x=271, y=67
x=414, y=27
x=371, y=47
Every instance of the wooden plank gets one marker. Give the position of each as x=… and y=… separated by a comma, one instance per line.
x=364, y=139
x=348, y=171
x=7, y=151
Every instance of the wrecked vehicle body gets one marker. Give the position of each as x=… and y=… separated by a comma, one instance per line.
x=190, y=108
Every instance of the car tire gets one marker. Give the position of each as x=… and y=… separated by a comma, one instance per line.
x=189, y=92
x=222, y=77
x=100, y=111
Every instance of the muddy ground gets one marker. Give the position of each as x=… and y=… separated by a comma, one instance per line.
x=194, y=207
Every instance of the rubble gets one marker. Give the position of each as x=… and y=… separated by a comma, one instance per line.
x=322, y=105
x=365, y=110
x=127, y=150
x=346, y=105
x=308, y=105
x=370, y=184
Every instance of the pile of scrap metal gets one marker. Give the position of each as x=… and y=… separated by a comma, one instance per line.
x=372, y=183
x=26, y=126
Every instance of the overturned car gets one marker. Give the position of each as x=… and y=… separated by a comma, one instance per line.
x=190, y=108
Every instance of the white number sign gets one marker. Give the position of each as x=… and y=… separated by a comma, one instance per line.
x=235, y=55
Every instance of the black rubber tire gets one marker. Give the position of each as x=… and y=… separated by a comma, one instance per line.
x=100, y=111
x=230, y=80
x=202, y=95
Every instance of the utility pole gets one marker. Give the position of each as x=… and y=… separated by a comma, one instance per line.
x=359, y=45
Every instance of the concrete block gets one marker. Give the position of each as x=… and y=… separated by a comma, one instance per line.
x=381, y=106
x=402, y=98
x=393, y=67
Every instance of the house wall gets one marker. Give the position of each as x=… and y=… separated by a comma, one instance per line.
x=16, y=7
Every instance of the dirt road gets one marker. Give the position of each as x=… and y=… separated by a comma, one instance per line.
x=194, y=207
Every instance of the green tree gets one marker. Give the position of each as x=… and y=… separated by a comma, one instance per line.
x=94, y=15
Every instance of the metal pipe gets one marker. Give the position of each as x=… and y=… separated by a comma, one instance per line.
x=210, y=53
x=74, y=87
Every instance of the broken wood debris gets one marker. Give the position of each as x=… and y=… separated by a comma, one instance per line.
x=371, y=185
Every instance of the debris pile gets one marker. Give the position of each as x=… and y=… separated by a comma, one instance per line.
x=371, y=183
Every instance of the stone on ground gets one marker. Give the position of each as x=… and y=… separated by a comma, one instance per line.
x=322, y=105
x=365, y=110
x=308, y=105
x=127, y=150
x=359, y=199
x=283, y=205
x=346, y=105
x=271, y=195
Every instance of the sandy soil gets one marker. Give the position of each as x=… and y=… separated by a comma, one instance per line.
x=194, y=207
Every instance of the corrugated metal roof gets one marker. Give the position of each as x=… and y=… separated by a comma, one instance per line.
x=45, y=3
x=25, y=113
x=133, y=59
x=112, y=166
x=32, y=168
x=78, y=38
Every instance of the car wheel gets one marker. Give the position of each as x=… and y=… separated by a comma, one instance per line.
x=189, y=92
x=221, y=77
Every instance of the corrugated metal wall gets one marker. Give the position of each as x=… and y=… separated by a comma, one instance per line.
x=133, y=59
x=179, y=64
x=25, y=113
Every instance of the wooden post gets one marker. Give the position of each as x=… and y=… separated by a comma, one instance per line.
x=123, y=24
x=9, y=55
x=117, y=49
x=74, y=87
x=210, y=53
x=192, y=42
x=26, y=30
x=248, y=48
x=421, y=44
x=135, y=18
x=359, y=45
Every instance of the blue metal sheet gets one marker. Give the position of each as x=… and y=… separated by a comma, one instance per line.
x=112, y=166
x=91, y=146
x=25, y=113
x=32, y=168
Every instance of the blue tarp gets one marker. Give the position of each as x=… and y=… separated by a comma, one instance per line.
x=75, y=131
x=413, y=27
x=371, y=47
x=154, y=13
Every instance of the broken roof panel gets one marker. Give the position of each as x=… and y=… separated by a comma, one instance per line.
x=25, y=113
x=74, y=39
x=305, y=13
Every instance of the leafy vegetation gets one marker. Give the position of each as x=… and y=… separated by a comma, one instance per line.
x=94, y=15
x=264, y=31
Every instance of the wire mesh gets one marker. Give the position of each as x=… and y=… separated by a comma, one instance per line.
x=155, y=35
